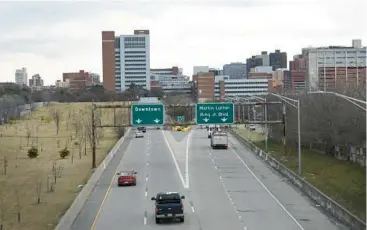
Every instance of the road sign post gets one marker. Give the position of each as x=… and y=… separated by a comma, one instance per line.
x=147, y=114
x=214, y=113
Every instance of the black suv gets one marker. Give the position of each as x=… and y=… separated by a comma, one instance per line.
x=168, y=205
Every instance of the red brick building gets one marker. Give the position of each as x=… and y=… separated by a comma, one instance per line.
x=78, y=81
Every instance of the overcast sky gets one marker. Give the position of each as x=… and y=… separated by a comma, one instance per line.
x=54, y=37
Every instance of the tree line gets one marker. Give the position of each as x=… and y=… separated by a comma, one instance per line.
x=330, y=124
x=13, y=97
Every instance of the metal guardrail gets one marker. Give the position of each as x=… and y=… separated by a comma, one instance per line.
x=328, y=204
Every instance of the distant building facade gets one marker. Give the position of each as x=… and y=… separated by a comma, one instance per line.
x=126, y=60
x=236, y=70
x=21, y=76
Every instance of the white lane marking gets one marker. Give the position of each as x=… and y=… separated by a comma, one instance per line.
x=145, y=220
x=192, y=209
x=146, y=177
x=146, y=194
x=187, y=160
x=147, y=164
x=244, y=228
x=174, y=160
x=229, y=195
x=267, y=190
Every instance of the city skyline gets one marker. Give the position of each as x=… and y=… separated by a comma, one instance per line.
x=181, y=34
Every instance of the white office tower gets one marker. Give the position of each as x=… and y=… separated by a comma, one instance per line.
x=133, y=60
x=21, y=76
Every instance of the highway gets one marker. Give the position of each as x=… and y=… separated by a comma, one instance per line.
x=224, y=189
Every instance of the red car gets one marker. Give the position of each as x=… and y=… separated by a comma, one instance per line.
x=126, y=178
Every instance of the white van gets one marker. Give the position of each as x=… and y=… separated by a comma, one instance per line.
x=219, y=139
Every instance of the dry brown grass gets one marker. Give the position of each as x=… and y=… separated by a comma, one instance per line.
x=24, y=176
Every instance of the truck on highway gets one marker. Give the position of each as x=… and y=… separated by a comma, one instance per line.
x=169, y=206
x=219, y=139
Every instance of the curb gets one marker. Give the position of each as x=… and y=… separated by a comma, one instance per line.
x=328, y=205
x=70, y=215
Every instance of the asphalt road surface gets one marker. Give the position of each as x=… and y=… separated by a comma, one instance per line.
x=225, y=189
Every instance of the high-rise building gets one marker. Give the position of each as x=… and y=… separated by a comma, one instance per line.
x=21, y=76
x=235, y=70
x=36, y=80
x=297, y=74
x=126, y=60
x=264, y=57
x=252, y=63
x=278, y=60
x=335, y=66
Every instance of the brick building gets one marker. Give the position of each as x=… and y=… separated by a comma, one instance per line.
x=78, y=80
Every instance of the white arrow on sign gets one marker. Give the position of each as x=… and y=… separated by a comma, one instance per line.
x=156, y=120
x=206, y=119
x=224, y=119
x=138, y=121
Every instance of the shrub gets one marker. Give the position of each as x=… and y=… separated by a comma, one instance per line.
x=47, y=119
x=12, y=122
x=64, y=152
x=32, y=152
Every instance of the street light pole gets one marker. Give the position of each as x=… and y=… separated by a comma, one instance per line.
x=266, y=126
x=294, y=104
x=299, y=138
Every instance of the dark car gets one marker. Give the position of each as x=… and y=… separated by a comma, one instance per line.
x=169, y=206
x=143, y=129
x=126, y=178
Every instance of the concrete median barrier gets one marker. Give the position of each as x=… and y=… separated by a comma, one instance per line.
x=329, y=205
x=71, y=214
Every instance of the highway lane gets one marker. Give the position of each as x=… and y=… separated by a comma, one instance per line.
x=235, y=179
x=87, y=215
x=226, y=189
x=277, y=195
x=131, y=207
x=125, y=206
x=209, y=197
x=164, y=176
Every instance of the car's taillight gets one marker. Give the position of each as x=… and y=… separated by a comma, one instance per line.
x=156, y=210
x=182, y=206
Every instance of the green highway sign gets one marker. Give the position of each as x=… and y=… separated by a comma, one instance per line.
x=180, y=118
x=147, y=114
x=214, y=113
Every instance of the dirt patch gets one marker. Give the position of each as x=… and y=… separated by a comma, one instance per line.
x=35, y=193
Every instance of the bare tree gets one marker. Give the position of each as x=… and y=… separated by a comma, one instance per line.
x=56, y=115
x=18, y=204
x=77, y=124
x=28, y=133
x=39, y=187
x=328, y=123
x=5, y=165
x=2, y=211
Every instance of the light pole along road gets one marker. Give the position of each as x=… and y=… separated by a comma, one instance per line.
x=295, y=104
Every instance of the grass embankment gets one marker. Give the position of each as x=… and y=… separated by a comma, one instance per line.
x=343, y=181
x=27, y=179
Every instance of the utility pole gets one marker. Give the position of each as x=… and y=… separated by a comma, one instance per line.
x=266, y=125
x=93, y=138
x=284, y=129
